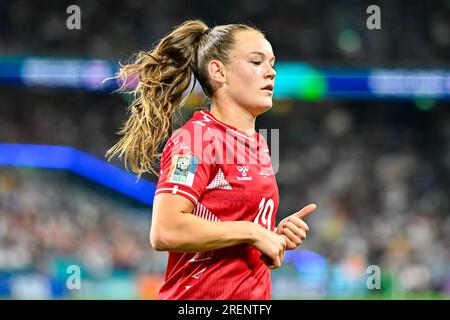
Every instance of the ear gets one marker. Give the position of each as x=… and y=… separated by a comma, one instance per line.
x=216, y=71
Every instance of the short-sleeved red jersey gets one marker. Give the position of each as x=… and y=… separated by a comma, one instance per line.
x=228, y=176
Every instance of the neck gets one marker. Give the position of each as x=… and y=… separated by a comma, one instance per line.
x=234, y=116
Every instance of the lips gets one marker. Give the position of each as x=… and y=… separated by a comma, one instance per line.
x=268, y=89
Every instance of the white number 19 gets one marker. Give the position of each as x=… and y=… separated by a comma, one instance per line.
x=265, y=213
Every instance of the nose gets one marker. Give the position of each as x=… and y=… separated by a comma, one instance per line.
x=271, y=73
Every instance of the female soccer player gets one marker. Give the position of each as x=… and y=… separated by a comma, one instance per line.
x=216, y=198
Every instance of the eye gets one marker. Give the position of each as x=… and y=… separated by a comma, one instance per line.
x=256, y=62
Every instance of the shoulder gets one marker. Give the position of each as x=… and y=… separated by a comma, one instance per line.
x=194, y=136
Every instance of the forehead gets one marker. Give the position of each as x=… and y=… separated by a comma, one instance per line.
x=251, y=41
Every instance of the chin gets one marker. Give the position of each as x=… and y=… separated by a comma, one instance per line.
x=262, y=108
x=267, y=104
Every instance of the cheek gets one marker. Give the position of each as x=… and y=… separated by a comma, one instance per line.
x=245, y=76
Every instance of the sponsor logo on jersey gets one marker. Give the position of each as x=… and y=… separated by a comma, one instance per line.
x=243, y=171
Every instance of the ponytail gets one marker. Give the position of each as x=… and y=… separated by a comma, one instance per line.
x=164, y=75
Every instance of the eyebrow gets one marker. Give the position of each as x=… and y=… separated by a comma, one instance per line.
x=262, y=54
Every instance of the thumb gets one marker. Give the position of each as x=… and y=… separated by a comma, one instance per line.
x=306, y=211
x=301, y=214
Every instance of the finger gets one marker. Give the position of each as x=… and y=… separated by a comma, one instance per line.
x=299, y=223
x=276, y=263
x=281, y=252
x=292, y=237
x=289, y=244
x=295, y=229
x=282, y=241
x=305, y=211
x=299, y=232
x=299, y=214
x=279, y=230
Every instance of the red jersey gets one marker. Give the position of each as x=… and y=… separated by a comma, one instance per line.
x=228, y=176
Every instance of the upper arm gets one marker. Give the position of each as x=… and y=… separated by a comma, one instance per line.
x=182, y=181
x=166, y=212
x=166, y=208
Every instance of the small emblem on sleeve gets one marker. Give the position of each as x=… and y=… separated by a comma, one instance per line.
x=183, y=169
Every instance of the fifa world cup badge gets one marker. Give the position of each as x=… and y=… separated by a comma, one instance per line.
x=183, y=169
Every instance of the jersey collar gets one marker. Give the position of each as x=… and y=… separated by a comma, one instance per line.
x=234, y=130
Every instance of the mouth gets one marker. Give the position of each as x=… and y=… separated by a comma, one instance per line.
x=268, y=88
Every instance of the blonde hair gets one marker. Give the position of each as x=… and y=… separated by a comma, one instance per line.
x=164, y=74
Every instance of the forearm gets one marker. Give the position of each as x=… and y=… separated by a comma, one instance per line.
x=189, y=233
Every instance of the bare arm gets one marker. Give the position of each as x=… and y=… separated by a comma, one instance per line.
x=174, y=228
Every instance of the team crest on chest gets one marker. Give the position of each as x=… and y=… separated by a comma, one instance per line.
x=266, y=172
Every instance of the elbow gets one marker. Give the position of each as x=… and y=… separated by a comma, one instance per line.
x=160, y=241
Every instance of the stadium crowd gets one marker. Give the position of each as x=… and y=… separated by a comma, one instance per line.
x=325, y=33
x=45, y=216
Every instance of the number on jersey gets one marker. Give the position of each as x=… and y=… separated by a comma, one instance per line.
x=264, y=216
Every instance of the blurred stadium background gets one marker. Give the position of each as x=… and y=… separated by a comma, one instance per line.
x=364, y=121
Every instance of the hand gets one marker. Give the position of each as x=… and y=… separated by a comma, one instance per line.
x=271, y=245
x=293, y=228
